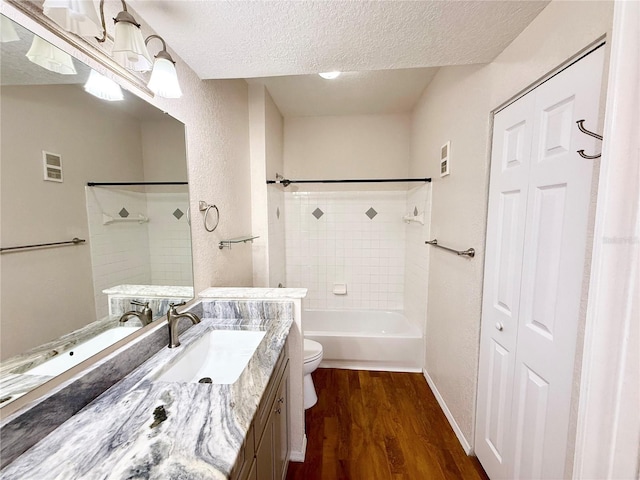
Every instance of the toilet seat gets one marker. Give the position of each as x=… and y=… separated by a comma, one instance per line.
x=312, y=351
x=312, y=359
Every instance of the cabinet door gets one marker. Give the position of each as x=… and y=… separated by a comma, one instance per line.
x=281, y=447
x=264, y=453
x=253, y=472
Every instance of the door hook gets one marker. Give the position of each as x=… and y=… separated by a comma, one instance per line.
x=587, y=132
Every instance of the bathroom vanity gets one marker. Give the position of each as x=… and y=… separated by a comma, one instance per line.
x=150, y=426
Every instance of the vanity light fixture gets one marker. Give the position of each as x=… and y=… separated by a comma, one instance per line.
x=75, y=16
x=102, y=87
x=329, y=75
x=7, y=31
x=129, y=48
x=164, y=78
x=48, y=56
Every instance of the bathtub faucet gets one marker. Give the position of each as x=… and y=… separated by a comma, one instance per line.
x=145, y=316
x=172, y=317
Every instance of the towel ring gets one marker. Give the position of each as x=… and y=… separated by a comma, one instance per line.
x=205, y=207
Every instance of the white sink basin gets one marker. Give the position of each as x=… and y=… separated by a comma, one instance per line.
x=219, y=356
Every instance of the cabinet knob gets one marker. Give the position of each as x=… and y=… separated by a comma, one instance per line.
x=281, y=400
x=278, y=411
x=499, y=326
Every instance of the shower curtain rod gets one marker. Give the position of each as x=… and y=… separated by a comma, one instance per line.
x=286, y=182
x=120, y=184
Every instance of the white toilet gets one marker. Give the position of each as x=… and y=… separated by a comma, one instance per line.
x=312, y=358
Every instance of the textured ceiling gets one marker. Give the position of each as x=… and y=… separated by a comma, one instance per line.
x=243, y=39
x=382, y=91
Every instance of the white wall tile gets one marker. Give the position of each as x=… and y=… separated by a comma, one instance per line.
x=346, y=238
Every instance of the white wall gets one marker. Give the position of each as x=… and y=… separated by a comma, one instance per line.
x=456, y=106
x=163, y=151
x=266, y=140
x=350, y=146
x=274, y=130
x=94, y=146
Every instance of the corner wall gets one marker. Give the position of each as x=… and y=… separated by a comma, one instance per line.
x=267, y=202
x=456, y=106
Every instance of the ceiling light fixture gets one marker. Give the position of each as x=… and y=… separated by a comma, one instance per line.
x=75, y=16
x=47, y=56
x=164, y=78
x=7, y=31
x=129, y=49
x=330, y=75
x=102, y=87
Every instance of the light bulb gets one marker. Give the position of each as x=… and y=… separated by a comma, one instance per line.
x=329, y=75
x=102, y=87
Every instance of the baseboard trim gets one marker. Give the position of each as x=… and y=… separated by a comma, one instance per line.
x=370, y=366
x=452, y=421
x=298, y=456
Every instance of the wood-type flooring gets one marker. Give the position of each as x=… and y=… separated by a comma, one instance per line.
x=379, y=425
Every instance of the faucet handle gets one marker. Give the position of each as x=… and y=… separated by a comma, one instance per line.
x=140, y=304
x=172, y=306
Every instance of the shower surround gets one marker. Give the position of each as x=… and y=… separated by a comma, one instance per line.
x=355, y=238
x=361, y=239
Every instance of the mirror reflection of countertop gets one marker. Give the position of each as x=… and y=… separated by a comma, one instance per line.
x=201, y=437
x=19, y=374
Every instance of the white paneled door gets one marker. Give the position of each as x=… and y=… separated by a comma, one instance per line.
x=539, y=205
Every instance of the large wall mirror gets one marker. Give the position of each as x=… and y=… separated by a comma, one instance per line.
x=61, y=304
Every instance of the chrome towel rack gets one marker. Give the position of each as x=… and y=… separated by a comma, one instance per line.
x=469, y=252
x=74, y=241
x=591, y=134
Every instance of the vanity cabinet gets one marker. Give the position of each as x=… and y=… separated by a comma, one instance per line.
x=265, y=453
x=272, y=452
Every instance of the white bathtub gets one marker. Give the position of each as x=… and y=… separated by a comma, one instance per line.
x=365, y=340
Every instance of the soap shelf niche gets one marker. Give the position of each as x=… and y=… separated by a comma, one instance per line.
x=414, y=218
x=227, y=243
x=139, y=218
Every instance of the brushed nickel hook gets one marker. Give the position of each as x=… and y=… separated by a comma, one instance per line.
x=591, y=134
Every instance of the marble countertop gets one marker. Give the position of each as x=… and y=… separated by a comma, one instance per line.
x=116, y=437
x=240, y=292
x=151, y=291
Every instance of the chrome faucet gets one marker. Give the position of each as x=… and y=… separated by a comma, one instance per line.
x=145, y=316
x=172, y=317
